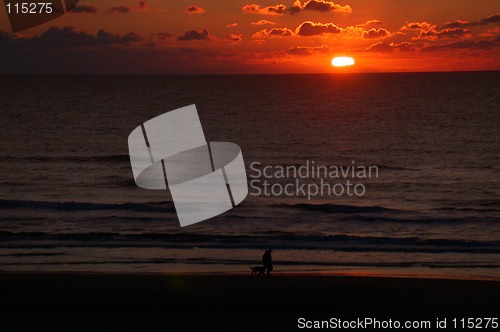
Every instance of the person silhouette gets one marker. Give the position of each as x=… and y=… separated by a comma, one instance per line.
x=267, y=261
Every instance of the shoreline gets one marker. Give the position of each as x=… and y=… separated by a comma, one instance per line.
x=325, y=274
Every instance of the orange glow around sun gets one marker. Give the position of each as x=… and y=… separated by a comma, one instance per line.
x=260, y=37
x=342, y=61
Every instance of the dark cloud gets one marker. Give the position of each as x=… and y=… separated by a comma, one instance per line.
x=375, y=33
x=122, y=9
x=320, y=6
x=460, y=24
x=7, y=40
x=418, y=26
x=430, y=31
x=134, y=59
x=194, y=35
x=445, y=33
x=314, y=5
x=381, y=47
x=234, y=38
x=278, y=10
x=456, y=24
x=407, y=46
x=309, y=28
x=163, y=35
x=263, y=22
x=119, y=9
x=67, y=37
x=391, y=47
x=304, y=50
x=277, y=32
x=370, y=23
x=280, y=32
x=472, y=45
x=492, y=19
x=84, y=9
x=194, y=10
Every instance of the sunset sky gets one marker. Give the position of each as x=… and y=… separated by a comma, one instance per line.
x=239, y=36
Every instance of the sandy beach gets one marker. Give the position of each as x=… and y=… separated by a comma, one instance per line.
x=80, y=302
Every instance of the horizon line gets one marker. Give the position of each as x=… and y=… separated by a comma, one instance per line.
x=251, y=74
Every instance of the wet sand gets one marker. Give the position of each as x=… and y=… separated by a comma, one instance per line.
x=84, y=302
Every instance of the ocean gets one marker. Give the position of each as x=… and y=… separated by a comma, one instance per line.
x=68, y=201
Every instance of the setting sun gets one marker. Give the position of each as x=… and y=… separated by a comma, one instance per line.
x=342, y=61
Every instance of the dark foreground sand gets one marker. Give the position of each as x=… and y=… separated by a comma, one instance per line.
x=89, y=302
